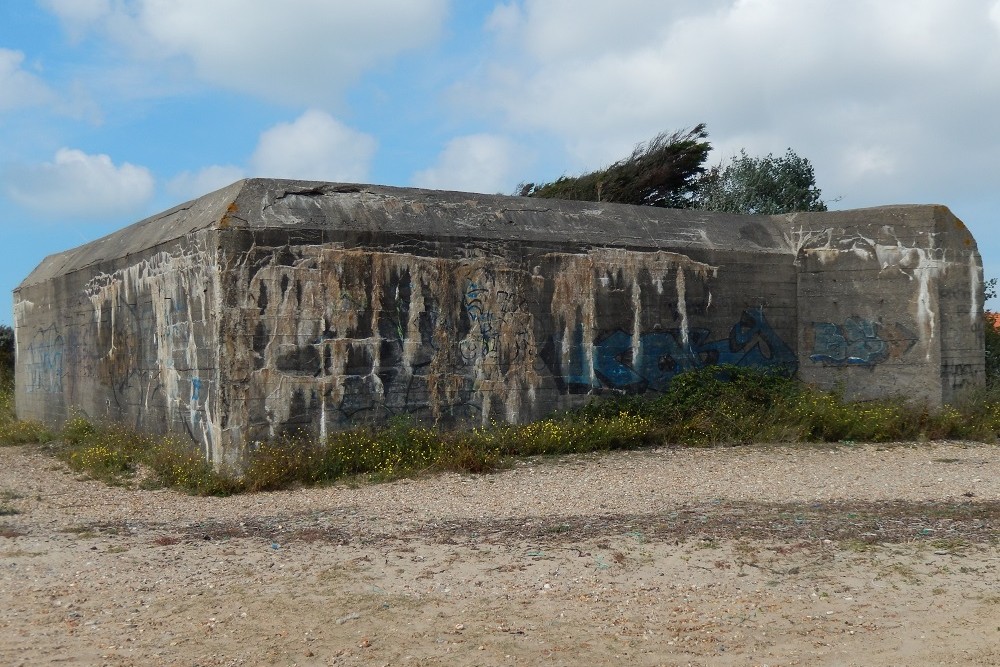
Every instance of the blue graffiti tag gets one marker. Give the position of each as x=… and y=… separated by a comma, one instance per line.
x=45, y=362
x=855, y=343
x=663, y=354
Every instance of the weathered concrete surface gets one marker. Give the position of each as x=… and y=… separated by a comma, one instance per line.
x=277, y=305
x=896, y=293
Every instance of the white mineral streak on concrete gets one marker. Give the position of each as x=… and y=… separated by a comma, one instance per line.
x=975, y=287
x=380, y=276
x=862, y=246
x=21, y=309
x=799, y=240
x=682, y=306
x=212, y=432
x=322, y=418
x=925, y=265
x=412, y=341
x=825, y=247
x=637, y=317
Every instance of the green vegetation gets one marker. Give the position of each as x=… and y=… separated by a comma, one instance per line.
x=663, y=172
x=714, y=406
x=761, y=185
x=116, y=454
x=991, y=333
x=12, y=430
x=669, y=171
x=7, y=351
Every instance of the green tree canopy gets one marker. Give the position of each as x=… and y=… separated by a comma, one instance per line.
x=761, y=185
x=664, y=172
x=7, y=351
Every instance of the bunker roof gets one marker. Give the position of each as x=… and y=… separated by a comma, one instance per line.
x=260, y=203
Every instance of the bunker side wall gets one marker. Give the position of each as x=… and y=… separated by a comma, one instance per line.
x=890, y=304
x=960, y=301
x=133, y=340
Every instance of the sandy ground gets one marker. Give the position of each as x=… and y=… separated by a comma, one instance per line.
x=749, y=556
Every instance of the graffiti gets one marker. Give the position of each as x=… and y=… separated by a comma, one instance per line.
x=494, y=316
x=660, y=355
x=45, y=362
x=859, y=342
x=961, y=376
x=483, y=339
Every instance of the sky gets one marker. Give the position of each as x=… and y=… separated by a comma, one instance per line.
x=114, y=110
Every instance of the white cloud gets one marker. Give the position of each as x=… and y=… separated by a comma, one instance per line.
x=298, y=51
x=315, y=146
x=891, y=100
x=79, y=185
x=569, y=29
x=78, y=15
x=474, y=163
x=505, y=18
x=19, y=88
x=191, y=185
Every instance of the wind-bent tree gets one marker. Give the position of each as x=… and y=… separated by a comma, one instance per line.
x=663, y=171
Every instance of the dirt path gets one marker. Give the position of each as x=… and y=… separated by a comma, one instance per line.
x=756, y=556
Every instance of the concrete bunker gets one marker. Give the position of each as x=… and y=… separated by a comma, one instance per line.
x=272, y=305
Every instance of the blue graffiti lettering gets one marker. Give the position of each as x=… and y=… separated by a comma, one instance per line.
x=45, y=362
x=612, y=360
x=855, y=343
x=576, y=371
x=664, y=354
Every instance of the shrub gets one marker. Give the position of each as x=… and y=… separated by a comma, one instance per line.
x=991, y=335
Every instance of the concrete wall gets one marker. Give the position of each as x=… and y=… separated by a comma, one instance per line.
x=890, y=303
x=273, y=306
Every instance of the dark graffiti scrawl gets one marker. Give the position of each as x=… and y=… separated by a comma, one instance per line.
x=660, y=355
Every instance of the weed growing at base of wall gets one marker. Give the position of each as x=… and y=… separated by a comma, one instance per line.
x=117, y=454
x=713, y=406
x=14, y=431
